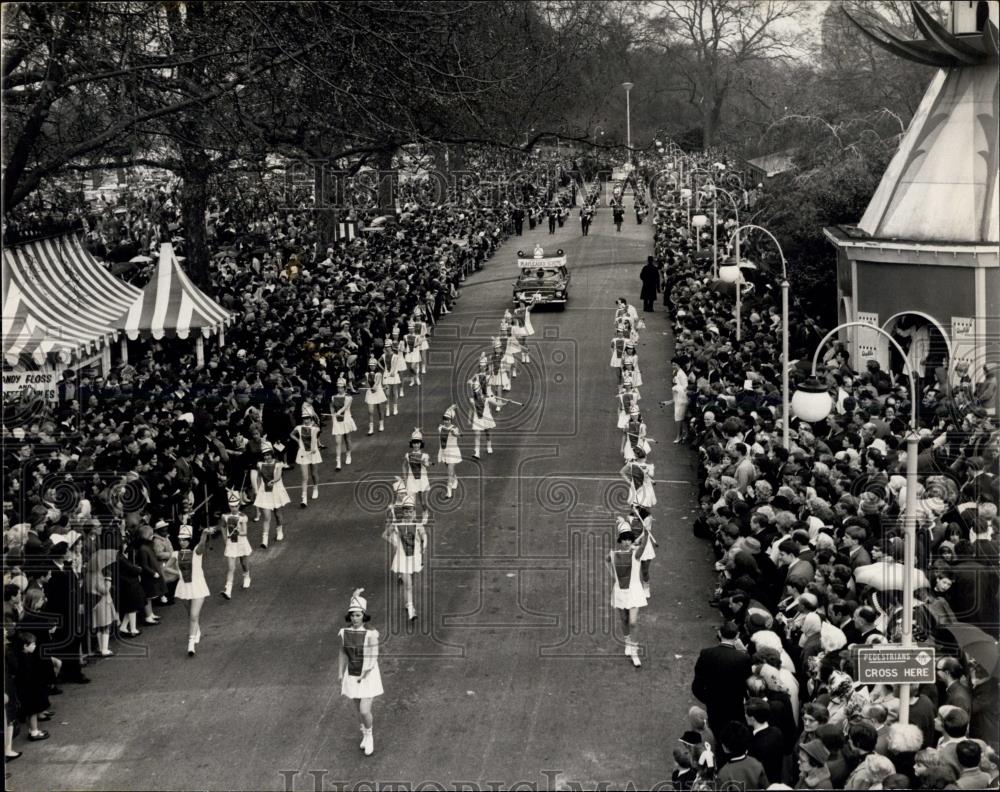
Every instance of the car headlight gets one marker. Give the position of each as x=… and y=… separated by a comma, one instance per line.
x=559, y=293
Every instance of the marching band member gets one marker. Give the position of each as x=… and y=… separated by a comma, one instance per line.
x=271, y=493
x=512, y=348
x=639, y=475
x=641, y=518
x=626, y=311
x=412, y=353
x=408, y=539
x=306, y=434
x=234, y=527
x=415, y=463
x=374, y=396
x=392, y=364
x=343, y=424
x=449, y=453
x=423, y=331
x=482, y=376
x=482, y=417
x=634, y=434
x=499, y=378
x=626, y=593
x=618, y=350
x=522, y=327
x=630, y=363
x=191, y=585
x=627, y=396
x=357, y=665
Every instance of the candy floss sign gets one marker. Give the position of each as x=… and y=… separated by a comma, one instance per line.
x=33, y=384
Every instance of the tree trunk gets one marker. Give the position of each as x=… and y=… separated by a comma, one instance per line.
x=194, y=205
x=327, y=201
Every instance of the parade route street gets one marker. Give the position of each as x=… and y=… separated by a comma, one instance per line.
x=515, y=670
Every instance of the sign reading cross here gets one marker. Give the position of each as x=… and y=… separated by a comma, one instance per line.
x=890, y=664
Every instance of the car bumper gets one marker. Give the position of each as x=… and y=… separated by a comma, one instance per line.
x=543, y=300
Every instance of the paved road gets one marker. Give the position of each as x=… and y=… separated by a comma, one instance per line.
x=514, y=672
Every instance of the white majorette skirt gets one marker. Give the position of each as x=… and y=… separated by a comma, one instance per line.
x=369, y=687
x=238, y=549
x=500, y=381
x=649, y=551
x=484, y=423
x=343, y=427
x=636, y=378
x=408, y=564
x=616, y=362
x=376, y=396
x=304, y=457
x=451, y=454
x=633, y=596
x=415, y=485
x=274, y=499
x=644, y=495
x=412, y=357
x=627, y=451
x=622, y=419
x=196, y=587
x=391, y=377
x=424, y=345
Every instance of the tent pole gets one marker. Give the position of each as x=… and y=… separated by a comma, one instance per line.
x=199, y=350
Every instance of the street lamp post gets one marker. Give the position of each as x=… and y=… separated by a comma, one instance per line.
x=813, y=403
x=715, y=223
x=628, y=118
x=785, y=399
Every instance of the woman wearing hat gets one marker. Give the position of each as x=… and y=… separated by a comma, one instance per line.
x=617, y=350
x=499, y=376
x=392, y=365
x=308, y=457
x=343, y=423
x=482, y=375
x=234, y=527
x=511, y=347
x=421, y=328
x=630, y=363
x=482, y=416
x=628, y=395
x=357, y=665
x=408, y=539
x=191, y=586
x=639, y=475
x=449, y=453
x=271, y=493
x=634, y=434
x=374, y=395
x=412, y=353
x=626, y=592
x=415, y=463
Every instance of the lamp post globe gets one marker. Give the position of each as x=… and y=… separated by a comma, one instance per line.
x=699, y=221
x=729, y=273
x=811, y=401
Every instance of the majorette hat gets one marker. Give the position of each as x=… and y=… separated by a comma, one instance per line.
x=496, y=341
x=449, y=413
x=306, y=414
x=411, y=325
x=233, y=498
x=266, y=448
x=476, y=384
x=506, y=314
x=185, y=532
x=372, y=361
x=483, y=361
x=633, y=410
x=627, y=377
x=623, y=530
x=395, y=330
x=358, y=604
x=417, y=437
x=341, y=382
x=408, y=502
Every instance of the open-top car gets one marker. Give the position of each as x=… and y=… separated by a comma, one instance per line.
x=544, y=275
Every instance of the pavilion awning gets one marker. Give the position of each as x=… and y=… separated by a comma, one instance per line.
x=58, y=301
x=171, y=305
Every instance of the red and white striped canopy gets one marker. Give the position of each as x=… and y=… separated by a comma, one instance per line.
x=58, y=301
x=171, y=305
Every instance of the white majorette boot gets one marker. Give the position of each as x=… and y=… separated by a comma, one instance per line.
x=489, y=448
x=371, y=428
x=315, y=491
x=246, y=580
x=381, y=425
x=348, y=459
x=395, y=407
x=369, y=746
x=191, y=643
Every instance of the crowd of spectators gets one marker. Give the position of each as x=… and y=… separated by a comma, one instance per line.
x=96, y=490
x=809, y=541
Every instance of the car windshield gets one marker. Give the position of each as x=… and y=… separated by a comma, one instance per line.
x=542, y=273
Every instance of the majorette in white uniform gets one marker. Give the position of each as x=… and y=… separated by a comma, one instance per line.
x=522, y=328
x=306, y=434
x=627, y=396
x=234, y=529
x=412, y=353
x=499, y=378
x=191, y=584
x=408, y=538
x=415, y=463
x=482, y=416
x=634, y=434
x=630, y=363
x=626, y=593
x=639, y=474
x=359, y=663
x=340, y=410
x=482, y=375
x=271, y=493
x=617, y=350
x=448, y=452
x=373, y=381
x=392, y=363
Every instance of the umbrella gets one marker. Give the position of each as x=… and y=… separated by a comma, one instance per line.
x=888, y=576
x=140, y=259
x=978, y=646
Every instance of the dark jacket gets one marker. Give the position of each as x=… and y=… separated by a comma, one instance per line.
x=650, y=277
x=767, y=747
x=720, y=678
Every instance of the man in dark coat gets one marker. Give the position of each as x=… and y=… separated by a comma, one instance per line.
x=650, y=277
x=720, y=677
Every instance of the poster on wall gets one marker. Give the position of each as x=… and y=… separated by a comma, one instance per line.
x=31, y=385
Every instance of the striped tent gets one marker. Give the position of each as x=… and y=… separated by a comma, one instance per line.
x=171, y=305
x=58, y=301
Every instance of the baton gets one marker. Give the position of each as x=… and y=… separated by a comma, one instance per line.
x=511, y=401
